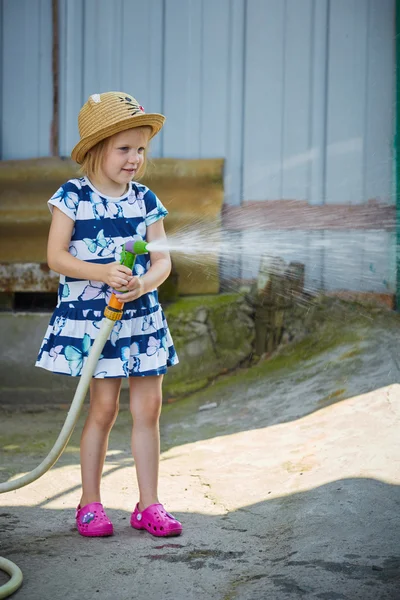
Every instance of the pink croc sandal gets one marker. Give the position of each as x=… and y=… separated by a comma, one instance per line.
x=92, y=521
x=156, y=521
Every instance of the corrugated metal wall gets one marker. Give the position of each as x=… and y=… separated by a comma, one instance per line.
x=319, y=95
x=296, y=95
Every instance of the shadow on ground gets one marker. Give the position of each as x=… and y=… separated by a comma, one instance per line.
x=338, y=541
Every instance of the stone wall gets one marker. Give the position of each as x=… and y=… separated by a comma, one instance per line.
x=212, y=335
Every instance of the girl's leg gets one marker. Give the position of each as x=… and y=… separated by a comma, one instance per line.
x=103, y=410
x=145, y=403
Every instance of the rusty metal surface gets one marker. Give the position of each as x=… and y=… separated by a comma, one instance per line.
x=27, y=277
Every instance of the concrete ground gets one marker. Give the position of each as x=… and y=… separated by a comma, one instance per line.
x=286, y=478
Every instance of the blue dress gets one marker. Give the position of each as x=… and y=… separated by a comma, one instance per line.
x=140, y=343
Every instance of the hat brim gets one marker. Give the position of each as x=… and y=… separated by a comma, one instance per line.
x=153, y=120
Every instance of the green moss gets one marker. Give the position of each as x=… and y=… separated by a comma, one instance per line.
x=183, y=388
x=207, y=348
x=39, y=439
x=188, y=303
x=327, y=338
x=350, y=354
x=302, y=378
x=305, y=350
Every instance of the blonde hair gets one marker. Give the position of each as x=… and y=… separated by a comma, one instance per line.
x=93, y=161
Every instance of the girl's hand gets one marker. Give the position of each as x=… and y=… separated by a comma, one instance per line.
x=135, y=290
x=116, y=275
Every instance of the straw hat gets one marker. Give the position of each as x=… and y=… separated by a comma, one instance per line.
x=105, y=114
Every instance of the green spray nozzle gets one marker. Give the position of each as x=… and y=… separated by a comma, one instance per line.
x=130, y=250
x=138, y=247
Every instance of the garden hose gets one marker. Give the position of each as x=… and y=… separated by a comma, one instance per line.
x=113, y=312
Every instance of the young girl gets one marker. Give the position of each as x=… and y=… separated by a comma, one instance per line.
x=92, y=217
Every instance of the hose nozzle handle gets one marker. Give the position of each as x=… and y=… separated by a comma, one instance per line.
x=113, y=310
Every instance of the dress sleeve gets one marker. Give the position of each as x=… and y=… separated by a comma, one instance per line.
x=155, y=210
x=66, y=199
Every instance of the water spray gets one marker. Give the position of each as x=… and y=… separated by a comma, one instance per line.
x=113, y=312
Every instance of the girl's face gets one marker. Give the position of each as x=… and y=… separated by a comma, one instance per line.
x=123, y=157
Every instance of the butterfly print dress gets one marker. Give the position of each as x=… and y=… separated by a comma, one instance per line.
x=140, y=343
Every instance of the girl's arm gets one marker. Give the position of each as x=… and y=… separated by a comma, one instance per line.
x=158, y=272
x=61, y=261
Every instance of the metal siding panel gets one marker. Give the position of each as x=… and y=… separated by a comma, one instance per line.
x=182, y=75
x=155, y=88
x=263, y=100
x=377, y=273
x=234, y=115
x=102, y=46
x=214, y=77
x=254, y=245
x=16, y=124
x=318, y=102
x=391, y=261
x=45, y=79
x=230, y=265
x=313, y=280
x=296, y=107
x=71, y=72
x=2, y=55
x=343, y=265
x=27, y=101
x=142, y=48
x=346, y=101
x=379, y=128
